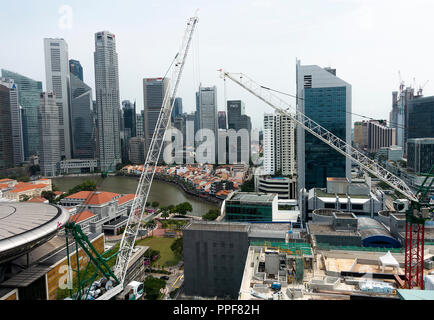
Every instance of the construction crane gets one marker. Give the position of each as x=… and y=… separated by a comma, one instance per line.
x=416, y=208
x=114, y=280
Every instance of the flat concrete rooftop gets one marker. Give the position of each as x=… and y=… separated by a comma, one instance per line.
x=328, y=229
x=217, y=226
x=253, y=197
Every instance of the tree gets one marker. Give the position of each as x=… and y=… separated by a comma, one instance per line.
x=49, y=195
x=211, y=215
x=155, y=204
x=152, y=287
x=177, y=247
x=183, y=208
x=87, y=185
x=165, y=214
x=248, y=186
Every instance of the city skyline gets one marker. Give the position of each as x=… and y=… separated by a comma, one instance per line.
x=365, y=21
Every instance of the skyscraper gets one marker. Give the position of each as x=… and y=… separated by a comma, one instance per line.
x=6, y=144
x=238, y=120
x=82, y=120
x=76, y=69
x=222, y=120
x=128, y=126
x=49, y=139
x=207, y=117
x=177, y=109
x=421, y=118
x=399, y=114
x=58, y=82
x=154, y=90
x=279, y=145
x=139, y=124
x=28, y=97
x=107, y=100
x=15, y=120
x=326, y=99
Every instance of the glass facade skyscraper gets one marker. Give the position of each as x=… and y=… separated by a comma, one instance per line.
x=326, y=99
x=28, y=97
x=421, y=118
x=76, y=69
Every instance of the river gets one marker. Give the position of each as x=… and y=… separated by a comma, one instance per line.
x=164, y=193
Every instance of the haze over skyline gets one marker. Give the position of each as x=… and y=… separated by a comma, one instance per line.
x=368, y=42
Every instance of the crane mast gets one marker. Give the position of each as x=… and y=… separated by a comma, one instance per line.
x=417, y=210
x=134, y=220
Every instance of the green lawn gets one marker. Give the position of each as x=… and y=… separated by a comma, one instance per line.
x=167, y=258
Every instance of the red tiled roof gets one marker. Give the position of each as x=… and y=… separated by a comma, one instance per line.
x=80, y=195
x=126, y=198
x=38, y=200
x=81, y=216
x=6, y=180
x=4, y=186
x=29, y=187
x=98, y=198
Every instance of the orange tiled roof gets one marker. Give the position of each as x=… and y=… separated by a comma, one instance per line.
x=126, y=198
x=3, y=186
x=98, y=198
x=6, y=180
x=80, y=195
x=29, y=187
x=38, y=200
x=81, y=216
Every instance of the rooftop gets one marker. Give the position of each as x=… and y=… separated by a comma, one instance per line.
x=253, y=197
x=217, y=226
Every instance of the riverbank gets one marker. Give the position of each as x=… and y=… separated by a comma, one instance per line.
x=162, y=192
x=188, y=191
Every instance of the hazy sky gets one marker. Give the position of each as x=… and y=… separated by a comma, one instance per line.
x=368, y=42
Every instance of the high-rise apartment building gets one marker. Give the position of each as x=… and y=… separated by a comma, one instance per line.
x=107, y=100
x=29, y=91
x=82, y=120
x=58, y=82
x=326, y=99
x=154, y=90
x=15, y=121
x=48, y=121
x=76, y=69
x=279, y=145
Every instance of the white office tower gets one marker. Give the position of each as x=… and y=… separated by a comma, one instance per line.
x=15, y=120
x=49, y=140
x=279, y=145
x=208, y=116
x=107, y=100
x=58, y=82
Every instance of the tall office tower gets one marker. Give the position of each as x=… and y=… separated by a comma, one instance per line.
x=208, y=115
x=107, y=100
x=326, y=99
x=237, y=120
x=279, y=145
x=28, y=97
x=49, y=139
x=58, y=81
x=76, y=69
x=399, y=114
x=6, y=143
x=154, y=90
x=421, y=118
x=420, y=157
x=177, y=109
x=15, y=121
x=136, y=150
x=139, y=124
x=82, y=120
x=222, y=120
x=129, y=116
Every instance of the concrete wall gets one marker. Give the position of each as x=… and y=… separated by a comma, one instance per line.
x=214, y=262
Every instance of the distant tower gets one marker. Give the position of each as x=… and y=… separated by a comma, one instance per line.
x=76, y=69
x=107, y=100
x=28, y=96
x=58, y=82
x=49, y=140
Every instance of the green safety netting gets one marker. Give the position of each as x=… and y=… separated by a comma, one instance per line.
x=296, y=248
